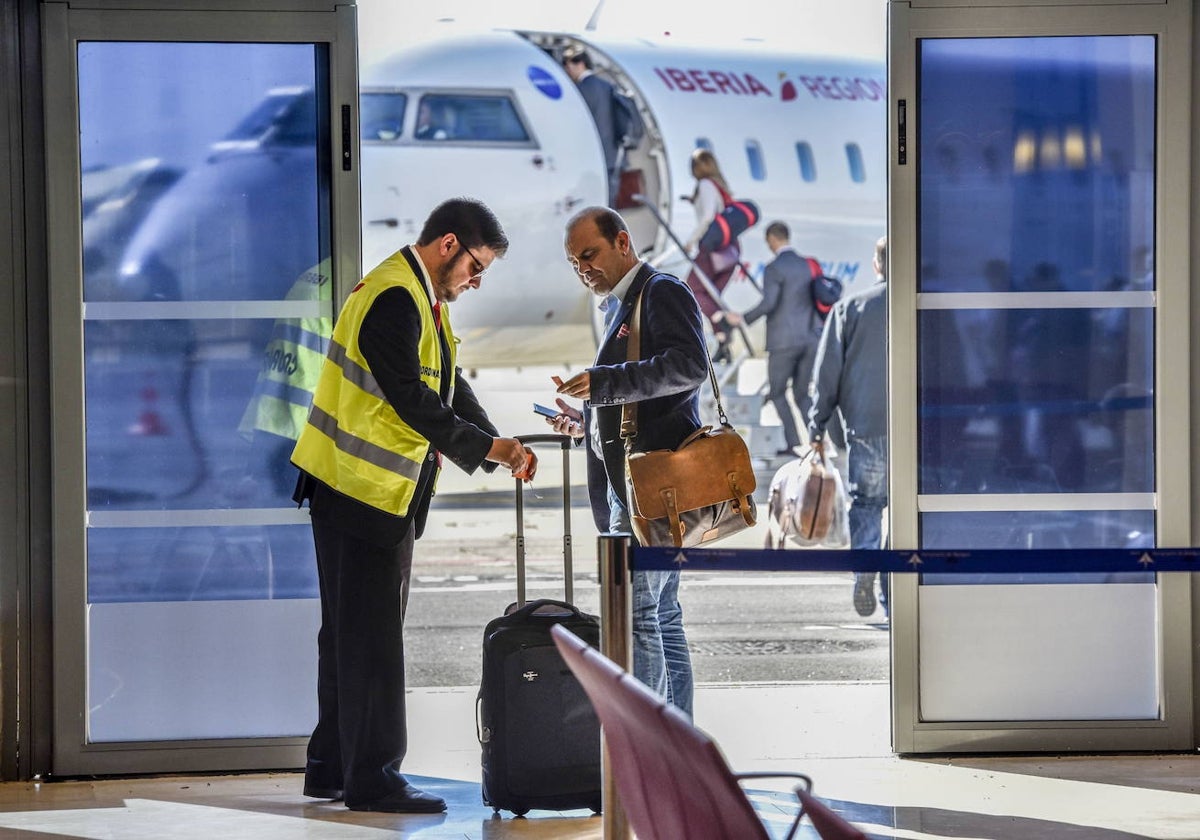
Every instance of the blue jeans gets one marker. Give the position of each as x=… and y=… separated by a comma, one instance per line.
x=868, y=497
x=660, y=652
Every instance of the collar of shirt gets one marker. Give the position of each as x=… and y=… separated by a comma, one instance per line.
x=784, y=250
x=424, y=275
x=622, y=288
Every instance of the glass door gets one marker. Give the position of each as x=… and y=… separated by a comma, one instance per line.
x=200, y=185
x=1038, y=328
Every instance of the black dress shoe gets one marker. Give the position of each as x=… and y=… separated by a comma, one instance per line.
x=318, y=792
x=410, y=800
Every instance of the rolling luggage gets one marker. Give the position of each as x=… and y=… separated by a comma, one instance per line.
x=539, y=734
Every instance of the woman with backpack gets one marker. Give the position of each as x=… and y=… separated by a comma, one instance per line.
x=709, y=198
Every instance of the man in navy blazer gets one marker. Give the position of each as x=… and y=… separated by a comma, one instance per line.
x=665, y=382
x=793, y=331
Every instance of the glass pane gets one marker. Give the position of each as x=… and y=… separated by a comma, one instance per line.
x=1039, y=530
x=460, y=117
x=229, y=563
x=215, y=146
x=207, y=308
x=196, y=414
x=1038, y=153
x=1036, y=400
x=381, y=115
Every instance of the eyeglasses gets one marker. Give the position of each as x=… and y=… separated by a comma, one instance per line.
x=479, y=267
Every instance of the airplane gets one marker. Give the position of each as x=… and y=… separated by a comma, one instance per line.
x=800, y=135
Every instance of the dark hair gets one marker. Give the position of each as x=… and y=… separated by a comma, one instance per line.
x=779, y=230
x=608, y=221
x=575, y=54
x=470, y=220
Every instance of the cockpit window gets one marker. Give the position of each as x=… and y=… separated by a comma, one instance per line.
x=382, y=115
x=286, y=117
x=457, y=117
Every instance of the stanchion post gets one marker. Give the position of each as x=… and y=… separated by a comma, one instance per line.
x=616, y=642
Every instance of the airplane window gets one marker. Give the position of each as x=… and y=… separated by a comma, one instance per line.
x=754, y=156
x=808, y=166
x=382, y=115
x=854, y=157
x=469, y=117
x=704, y=143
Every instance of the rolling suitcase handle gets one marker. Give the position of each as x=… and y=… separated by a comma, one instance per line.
x=566, y=442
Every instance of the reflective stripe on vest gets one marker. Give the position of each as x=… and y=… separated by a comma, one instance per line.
x=354, y=441
x=292, y=362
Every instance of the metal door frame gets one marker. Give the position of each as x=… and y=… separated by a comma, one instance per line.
x=64, y=25
x=1170, y=21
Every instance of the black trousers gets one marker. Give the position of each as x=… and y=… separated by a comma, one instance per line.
x=361, y=734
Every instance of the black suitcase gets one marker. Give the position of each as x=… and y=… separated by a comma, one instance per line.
x=537, y=729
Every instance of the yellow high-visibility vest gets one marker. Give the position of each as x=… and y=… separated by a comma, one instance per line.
x=354, y=441
x=292, y=362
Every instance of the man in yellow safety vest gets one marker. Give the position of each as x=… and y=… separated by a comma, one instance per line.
x=389, y=403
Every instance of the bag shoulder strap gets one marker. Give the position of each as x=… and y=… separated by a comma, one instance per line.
x=814, y=267
x=726, y=198
x=629, y=424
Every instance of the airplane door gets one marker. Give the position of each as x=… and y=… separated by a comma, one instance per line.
x=1038, y=252
x=202, y=204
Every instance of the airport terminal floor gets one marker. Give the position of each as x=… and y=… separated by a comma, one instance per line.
x=832, y=732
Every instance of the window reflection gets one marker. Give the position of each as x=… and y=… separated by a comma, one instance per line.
x=207, y=302
x=1036, y=401
x=175, y=416
x=1037, y=184
x=193, y=564
x=234, y=129
x=1037, y=151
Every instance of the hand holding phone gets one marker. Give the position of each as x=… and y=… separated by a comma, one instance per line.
x=546, y=411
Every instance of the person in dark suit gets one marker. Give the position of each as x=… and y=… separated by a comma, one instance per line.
x=600, y=96
x=665, y=383
x=389, y=403
x=793, y=330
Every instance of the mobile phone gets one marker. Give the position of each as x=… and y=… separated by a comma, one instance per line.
x=546, y=411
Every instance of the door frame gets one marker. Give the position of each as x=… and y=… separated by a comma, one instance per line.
x=1170, y=21
x=63, y=27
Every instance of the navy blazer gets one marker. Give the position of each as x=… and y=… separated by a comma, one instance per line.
x=665, y=381
x=792, y=320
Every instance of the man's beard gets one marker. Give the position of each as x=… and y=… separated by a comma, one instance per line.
x=441, y=282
